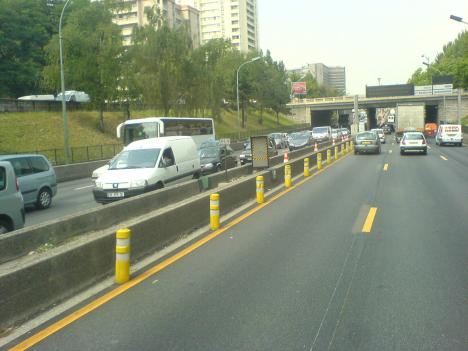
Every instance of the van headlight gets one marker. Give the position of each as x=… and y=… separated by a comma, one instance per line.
x=208, y=165
x=98, y=184
x=138, y=183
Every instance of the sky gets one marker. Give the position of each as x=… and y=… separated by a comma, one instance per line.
x=371, y=38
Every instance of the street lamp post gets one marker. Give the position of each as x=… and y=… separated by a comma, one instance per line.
x=62, y=81
x=237, y=83
x=458, y=19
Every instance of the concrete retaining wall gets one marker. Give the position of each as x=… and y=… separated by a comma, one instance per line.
x=33, y=283
x=77, y=170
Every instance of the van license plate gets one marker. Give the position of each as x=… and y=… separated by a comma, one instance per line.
x=116, y=194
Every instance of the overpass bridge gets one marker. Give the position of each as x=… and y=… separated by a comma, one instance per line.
x=319, y=111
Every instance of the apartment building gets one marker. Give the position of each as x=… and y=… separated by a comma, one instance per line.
x=334, y=76
x=236, y=20
x=175, y=14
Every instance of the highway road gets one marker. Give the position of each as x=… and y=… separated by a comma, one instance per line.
x=72, y=197
x=370, y=254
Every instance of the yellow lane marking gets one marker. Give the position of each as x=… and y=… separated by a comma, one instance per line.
x=369, y=220
x=43, y=334
x=385, y=167
x=444, y=158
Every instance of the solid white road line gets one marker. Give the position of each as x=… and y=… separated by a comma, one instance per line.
x=84, y=187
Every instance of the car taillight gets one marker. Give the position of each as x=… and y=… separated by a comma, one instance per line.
x=17, y=184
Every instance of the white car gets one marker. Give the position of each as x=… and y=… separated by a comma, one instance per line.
x=380, y=133
x=73, y=95
x=413, y=142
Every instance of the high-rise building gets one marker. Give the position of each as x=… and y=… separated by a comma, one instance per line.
x=236, y=20
x=175, y=14
x=334, y=77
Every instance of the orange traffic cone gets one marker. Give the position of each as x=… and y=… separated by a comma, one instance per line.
x=286, y=157
x=315, y=147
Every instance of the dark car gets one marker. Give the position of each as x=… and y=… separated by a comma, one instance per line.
x=246, y=155
x=298, y=141
x=216, y=158
x=387, y=129
x=367, y=142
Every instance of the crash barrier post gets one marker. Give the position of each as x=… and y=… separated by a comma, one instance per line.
x=260, y=190
x=319, y=160
x=287, y=176
x=337, y=155
x=328, y=156
x=122, y=256
x=214, y=211
x=306, y=167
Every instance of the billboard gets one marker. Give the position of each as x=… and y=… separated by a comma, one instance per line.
x=390, y=90
x=299, y=88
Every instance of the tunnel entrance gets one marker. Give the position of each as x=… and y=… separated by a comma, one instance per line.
x=431, y=114
x=372, y=118
x=320, y=118
x=343, y=121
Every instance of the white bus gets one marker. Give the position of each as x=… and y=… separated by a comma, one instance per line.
x=200, y=129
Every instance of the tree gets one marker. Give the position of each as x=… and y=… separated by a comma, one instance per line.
x=93, y=54
x=25, y=28
x=453, y=61
x=159, y=55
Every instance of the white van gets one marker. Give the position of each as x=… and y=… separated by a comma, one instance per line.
x=323, y=133
x=449, y=134
x=147, y=165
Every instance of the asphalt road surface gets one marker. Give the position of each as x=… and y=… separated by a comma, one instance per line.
x=302, y=273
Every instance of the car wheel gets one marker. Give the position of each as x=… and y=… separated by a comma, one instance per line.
x=460, y=144
x=3, y=228
x=356, y=152
x=44, y=198
x=402, y=152
x=218, y=168
x=425, y=152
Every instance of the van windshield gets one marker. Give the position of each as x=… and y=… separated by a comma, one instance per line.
x=130, y=159
x=320, y=130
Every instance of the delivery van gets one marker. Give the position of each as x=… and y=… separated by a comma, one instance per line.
x=449, y=134
x=146, y=165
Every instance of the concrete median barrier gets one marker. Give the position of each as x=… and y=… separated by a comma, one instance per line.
x=77, y=170
x=33, y=283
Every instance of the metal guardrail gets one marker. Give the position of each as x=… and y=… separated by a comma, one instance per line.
x=78, y=153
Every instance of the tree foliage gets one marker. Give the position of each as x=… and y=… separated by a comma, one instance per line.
x=453, y=61
x=25, y=28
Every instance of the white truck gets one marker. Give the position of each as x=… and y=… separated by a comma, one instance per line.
x=409, y=117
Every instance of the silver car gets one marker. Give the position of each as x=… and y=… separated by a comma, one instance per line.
x=36, y=178
x=11, y=200
x=367, y=142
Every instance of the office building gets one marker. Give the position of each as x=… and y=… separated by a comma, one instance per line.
x=174, y=13
x=236, y=20
x=334, y=77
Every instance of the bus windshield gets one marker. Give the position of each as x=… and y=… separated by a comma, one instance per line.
x=200, y=129
x=138, y=131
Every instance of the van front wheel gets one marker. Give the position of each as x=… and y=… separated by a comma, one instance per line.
x=44, y=198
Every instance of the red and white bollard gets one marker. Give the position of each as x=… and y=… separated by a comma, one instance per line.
x=286, y=157
x=315, y=147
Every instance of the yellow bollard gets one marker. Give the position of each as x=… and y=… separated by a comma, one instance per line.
x=348, y=148
x=319, y=160
x=214, y=211
x=306, y=167
x=342, y=150
x=287, y=176
x=122, y=256
x=328, y=156
x=260, y=190
x=351, y=145
x=337, y=155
